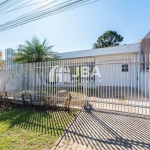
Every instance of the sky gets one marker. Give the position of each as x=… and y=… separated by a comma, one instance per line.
x=79, y=28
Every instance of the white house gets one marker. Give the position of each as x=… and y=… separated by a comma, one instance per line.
x=112, y=60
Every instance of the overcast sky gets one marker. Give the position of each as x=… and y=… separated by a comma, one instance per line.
x=79, y=28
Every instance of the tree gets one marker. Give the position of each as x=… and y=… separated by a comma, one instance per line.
x=34, y=51
x=108, y=39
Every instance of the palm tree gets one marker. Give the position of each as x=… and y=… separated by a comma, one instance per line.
x=34, y=51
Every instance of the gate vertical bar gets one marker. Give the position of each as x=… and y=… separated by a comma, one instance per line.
x=134, y=83
x=115, y=74
x=149, y=83
x=112, y=63
x=131, y=83
x=128, y=77
x=142, y=83
x=121, y=84
x=145, y=82
x=102, y=84
x=138, y=66
x=106, y=83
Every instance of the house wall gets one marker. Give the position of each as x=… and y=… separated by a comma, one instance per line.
x=109, y=61
x=144, y=83
x=145, y=44
x=111, y=70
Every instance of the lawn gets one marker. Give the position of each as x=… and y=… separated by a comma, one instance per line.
x=24, y=129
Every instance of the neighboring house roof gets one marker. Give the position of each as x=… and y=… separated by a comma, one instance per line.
x=133, y=48
x=147, y=35
x=140, y=41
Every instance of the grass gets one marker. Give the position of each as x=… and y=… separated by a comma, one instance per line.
x=24, y=129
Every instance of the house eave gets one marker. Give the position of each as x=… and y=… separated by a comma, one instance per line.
x=132, y=48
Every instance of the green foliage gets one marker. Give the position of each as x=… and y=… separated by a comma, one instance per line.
x=35, y=51
x=108, y=39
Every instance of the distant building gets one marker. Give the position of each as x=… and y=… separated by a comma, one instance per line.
x=3, y=61
x=9, y=56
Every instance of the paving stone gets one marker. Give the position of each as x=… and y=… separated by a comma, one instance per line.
x=82, y=147
x=107, y=130
x=73, y=147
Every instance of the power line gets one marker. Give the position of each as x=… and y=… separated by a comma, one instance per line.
x=50, y=13
x=22, y=6
x=32, y=12
x=5, y=3
x=34, y=16
x=42, y=14
x=11, y=4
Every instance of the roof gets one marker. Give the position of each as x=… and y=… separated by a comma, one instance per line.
x=140, y=41
x=147, y=35
x=133, y=48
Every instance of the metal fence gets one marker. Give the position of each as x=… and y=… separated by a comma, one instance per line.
x=120, y=85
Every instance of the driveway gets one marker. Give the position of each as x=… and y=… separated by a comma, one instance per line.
x=106, y=130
